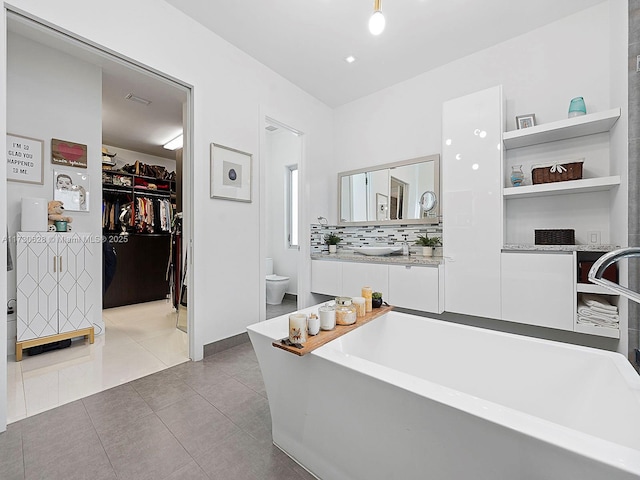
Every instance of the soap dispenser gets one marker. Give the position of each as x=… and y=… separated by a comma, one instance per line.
x=405, y=245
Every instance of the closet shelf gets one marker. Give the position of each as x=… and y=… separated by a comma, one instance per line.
x=590, y=124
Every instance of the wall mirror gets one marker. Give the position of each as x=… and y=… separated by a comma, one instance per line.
x=406, y=192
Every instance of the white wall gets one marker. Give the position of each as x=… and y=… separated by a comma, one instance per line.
x=540, y=71
x=52, y=95
x=284, y=149
x=3, y=228
x=231, y=94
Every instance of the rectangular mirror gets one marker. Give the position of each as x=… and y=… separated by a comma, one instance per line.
x=406, y=192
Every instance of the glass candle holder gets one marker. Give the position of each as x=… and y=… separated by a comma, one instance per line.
x=577, y=107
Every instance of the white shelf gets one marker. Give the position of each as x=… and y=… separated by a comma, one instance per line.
x=591, y=288
x=563, y=188
x=599, y=331
x=561, y=130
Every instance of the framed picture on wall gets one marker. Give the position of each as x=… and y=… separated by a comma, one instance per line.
x=72, y=189
x=68, y=154
x=526, y=121
x=230, y=173
x=382, y=205
x=24, y=159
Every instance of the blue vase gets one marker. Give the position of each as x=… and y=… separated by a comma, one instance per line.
x=517, y=176
x=577, y=107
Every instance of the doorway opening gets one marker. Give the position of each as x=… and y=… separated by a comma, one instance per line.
x=122, y=114
x=283, y=158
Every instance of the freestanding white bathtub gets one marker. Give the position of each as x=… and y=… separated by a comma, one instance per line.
x=407, y=397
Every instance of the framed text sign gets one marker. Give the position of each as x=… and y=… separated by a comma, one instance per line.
x=24, y=159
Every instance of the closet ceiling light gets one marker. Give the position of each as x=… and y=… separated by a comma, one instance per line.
x=135, y=98
x=350, y=59
x=377, y=21
x=174, y=144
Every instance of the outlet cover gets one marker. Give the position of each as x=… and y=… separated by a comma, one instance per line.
x=594, y=238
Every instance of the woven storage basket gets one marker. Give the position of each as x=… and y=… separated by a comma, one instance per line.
x=555, y=237
x=560, y=172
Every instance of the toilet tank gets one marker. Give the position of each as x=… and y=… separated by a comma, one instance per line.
x=269, y=265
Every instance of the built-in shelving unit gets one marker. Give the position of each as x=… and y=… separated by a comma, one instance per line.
x=561, y=130
x=585, y=185
x=591, y=288
x=558, y=301
x=594, y=330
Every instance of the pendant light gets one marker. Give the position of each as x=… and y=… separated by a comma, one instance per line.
x=377, y=21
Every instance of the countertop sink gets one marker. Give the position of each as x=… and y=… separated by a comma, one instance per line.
x=376, y=251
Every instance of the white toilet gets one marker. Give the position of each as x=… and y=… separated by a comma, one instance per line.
x=276, y=285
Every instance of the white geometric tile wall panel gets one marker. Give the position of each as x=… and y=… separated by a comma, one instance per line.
x=53, y=282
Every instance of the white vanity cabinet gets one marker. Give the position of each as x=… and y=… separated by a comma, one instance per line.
x=472, y=202
x=55, y=285
x=539, y=289
x=357, y=275
x=326, y=277
x=417, y=287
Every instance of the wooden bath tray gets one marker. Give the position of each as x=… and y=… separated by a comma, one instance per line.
x=325, y=336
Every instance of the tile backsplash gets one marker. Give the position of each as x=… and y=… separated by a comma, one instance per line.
x=355, y=236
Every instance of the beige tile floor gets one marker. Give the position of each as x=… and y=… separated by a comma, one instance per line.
x=139, y=340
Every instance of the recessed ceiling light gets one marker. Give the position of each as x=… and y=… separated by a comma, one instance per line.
x=135, y=98
x=350, y=59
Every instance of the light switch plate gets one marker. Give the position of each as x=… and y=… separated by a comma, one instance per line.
x=594, y=238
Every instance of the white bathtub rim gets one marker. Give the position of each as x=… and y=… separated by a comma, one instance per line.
x=602, y=450
x=625, y=458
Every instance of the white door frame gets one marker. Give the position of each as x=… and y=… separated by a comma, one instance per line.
x=188, y=189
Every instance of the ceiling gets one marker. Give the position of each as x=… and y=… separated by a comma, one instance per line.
x=125, y=123
x=307, y=41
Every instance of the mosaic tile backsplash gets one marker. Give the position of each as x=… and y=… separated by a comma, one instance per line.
x=356, y=236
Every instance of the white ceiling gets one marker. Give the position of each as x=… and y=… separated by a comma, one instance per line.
x=306, y=41
x=125, y=124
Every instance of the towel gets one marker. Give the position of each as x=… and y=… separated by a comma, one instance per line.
x=586, y=311
x=598, y=303
x=597, y=322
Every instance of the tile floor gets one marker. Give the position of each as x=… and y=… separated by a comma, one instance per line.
x=287, y=306
x=198, y=420
x=139, y=340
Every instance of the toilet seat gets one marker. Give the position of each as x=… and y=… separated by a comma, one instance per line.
x=276, y=278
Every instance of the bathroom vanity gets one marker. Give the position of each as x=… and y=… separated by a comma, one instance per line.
x=412, y=282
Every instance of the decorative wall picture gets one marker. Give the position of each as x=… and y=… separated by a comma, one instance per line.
x=72, y=189
x=230, y=174
x=68, y=154
x=24, y=159
x=526, y=121
x=381, y=206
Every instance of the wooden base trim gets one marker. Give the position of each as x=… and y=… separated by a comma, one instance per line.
x=85, y=332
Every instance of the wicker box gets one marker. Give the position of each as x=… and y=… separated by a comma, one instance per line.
x=555, y=237
x=556, y=172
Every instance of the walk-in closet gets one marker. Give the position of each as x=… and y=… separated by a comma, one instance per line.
x=130, y=285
